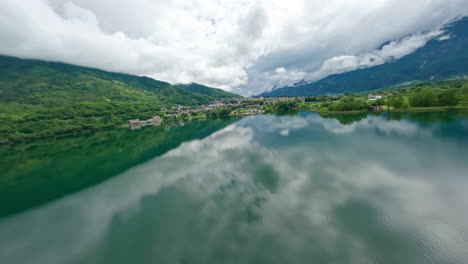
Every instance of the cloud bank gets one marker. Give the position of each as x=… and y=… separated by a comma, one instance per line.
x=243, y=46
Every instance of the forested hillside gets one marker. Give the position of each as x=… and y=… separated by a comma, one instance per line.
x=201, y=89
x=41, y=99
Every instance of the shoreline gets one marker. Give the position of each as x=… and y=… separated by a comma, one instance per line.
x=345, y=112
x=4, y=142
x=430, y=109
x=419, y=109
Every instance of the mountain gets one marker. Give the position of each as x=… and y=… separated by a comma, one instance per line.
x=41, y=99
x=52, y=84
x=201, y=89
x=438, y=59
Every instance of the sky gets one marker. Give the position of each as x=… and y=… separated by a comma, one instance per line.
x=243, y=46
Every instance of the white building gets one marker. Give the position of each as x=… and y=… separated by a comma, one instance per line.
x=372, y=97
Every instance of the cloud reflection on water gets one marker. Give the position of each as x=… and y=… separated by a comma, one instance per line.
x=322, y=195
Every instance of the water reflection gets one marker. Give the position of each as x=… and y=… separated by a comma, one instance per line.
x=38, y=172
x=371, y=191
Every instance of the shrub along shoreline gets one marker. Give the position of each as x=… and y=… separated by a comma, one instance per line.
x=438, y=96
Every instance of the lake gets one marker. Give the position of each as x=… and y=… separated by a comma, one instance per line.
x=298, y=188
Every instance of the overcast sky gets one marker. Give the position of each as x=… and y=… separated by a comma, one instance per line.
x=238, y=45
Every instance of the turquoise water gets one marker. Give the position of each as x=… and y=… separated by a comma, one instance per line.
x=303, y=188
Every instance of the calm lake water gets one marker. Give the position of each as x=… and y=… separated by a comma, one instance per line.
x=303, y=188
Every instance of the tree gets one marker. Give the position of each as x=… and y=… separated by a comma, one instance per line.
x=324, y=105
x=464, y=89
x=347, y=103
x=423, y=99
x=310, y=99
x=396, y=101
x=224, y=112
x=323, y=109
x=449, y=98
x=286, y=105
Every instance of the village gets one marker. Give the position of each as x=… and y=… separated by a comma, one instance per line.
x=237, y=107
x=230, y=107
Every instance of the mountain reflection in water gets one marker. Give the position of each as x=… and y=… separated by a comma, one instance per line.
x=270, y=189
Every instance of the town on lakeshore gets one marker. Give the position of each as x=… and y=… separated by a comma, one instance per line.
x=227, y=107
x=58, y=100
x=424, y=97
x=241, y=107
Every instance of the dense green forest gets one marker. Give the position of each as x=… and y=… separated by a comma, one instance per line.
x=445, y=94
x=41, y=99
x=424, y=96
x=201, y=89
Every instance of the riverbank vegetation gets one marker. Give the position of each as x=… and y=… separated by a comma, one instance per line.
x=426, y=96
x=447, y=94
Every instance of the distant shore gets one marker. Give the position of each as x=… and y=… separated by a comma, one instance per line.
x=429, y=109
x=411, y=109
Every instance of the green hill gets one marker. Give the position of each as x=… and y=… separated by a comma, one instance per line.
x=42, y=99
x=201, y=89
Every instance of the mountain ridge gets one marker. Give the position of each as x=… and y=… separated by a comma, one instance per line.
x=437, y=59
x=40, y=99
x=13, y=68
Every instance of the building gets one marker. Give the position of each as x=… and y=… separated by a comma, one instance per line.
x=157, y=119
x=372, y=97
x=252, y=106
x=134, y=122
x=377, y=108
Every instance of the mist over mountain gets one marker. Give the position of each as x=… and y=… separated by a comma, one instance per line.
x=444, y=56
x=246, y=47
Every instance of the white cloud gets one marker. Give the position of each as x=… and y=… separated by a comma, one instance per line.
x=393, y=51
x=388, y=127
x=234, y=45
